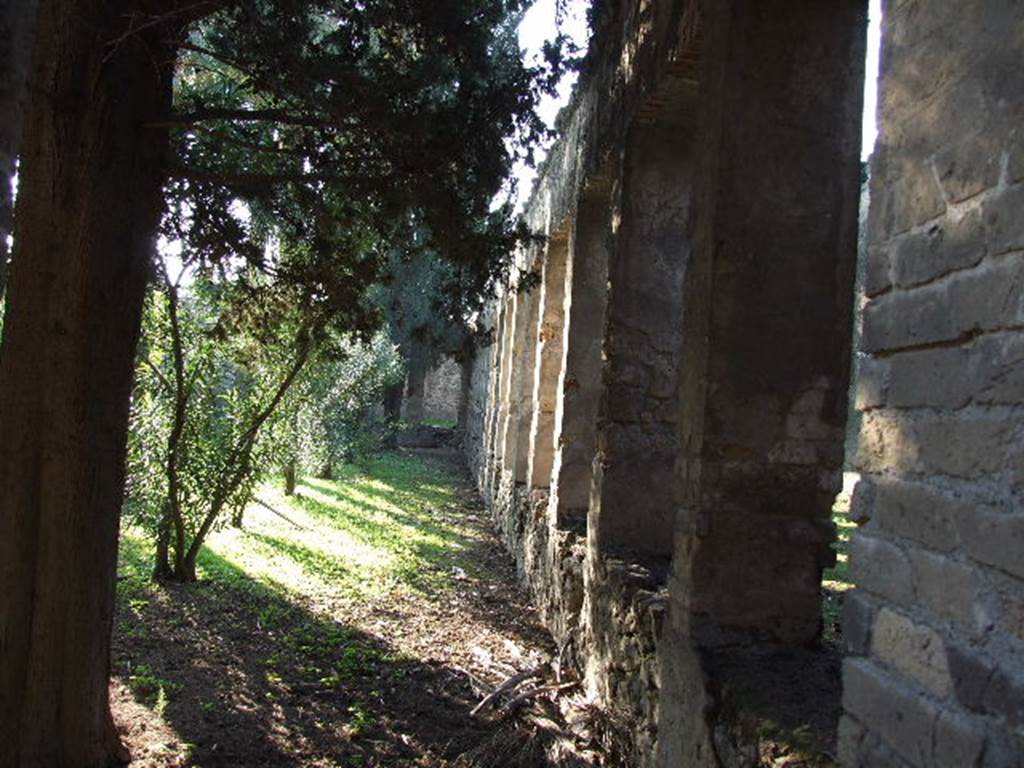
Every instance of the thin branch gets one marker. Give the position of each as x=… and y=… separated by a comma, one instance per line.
x=240, y=454
x=156, y=371
x=280, y=116
x=248, y=181
x=513, y=703
x=282, y=515
x=510, y=684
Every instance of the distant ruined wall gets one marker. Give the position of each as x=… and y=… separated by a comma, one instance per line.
x=434, y=394
x=657, y=424
x=442, y=391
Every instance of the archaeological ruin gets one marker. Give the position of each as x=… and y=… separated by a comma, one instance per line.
x=658, y=424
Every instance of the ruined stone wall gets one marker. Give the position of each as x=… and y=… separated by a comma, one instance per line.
x=658, y=425
x=482, y=372
x=442, y=391
x=935, y=629
x=536, y=471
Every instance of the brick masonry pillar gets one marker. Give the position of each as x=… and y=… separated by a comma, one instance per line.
x=631, y=506
x=547, y=362
x=520, y=390
x=579, y=384
x=493, y=401
x=769, y=316
x=935, y=628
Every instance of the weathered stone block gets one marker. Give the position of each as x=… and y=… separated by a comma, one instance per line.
x=848, y=741
x=858, y=618
x=1015, y=156
x=962, y=445
x=919, y=512
x=862, y=501
x=996, y=368
x=947, y=588
x=954, y=242
x=959, y=741
x=988, y=686
x=871, y=387
x=986, y=298
x=881, y=568
x=906, y=319
x=1004, y=609
x=931, y=377
x=913, y=650
x=917, y=197
x=877, y=269
x=1003, y=223
x=1003, y=749
x=895, y=712
x=969, y=166
x=965, y=445
x=994, y=538
x=989, y=370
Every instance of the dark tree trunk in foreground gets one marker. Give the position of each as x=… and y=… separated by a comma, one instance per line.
x=16, y=21
x=88, y=205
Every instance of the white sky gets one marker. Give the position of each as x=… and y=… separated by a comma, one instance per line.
x=869, y=129
x=538, y=25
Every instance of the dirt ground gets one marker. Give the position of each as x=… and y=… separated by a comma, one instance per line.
x=230, y=672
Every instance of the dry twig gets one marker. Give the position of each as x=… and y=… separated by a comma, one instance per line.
x=511, y=684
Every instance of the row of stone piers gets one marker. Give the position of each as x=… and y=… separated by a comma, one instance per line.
x=658, y=425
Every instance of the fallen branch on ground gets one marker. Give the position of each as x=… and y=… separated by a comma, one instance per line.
x=513, y=703
x=282, y=515
x=511, y=684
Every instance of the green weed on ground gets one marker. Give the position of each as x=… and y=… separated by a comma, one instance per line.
x=367, y=532
x=363, y=534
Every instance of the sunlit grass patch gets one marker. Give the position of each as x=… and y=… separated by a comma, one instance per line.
x=362, y=534
x=835, y=581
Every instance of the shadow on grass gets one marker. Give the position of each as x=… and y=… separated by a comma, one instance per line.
x=250, y=671
x=249, y=677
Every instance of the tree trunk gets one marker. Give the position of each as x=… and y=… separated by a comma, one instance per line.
x=392, y=412
x=16, y=23
x=413, y=406
x=88, y=206
x=327, y=470
x=186, y=572
x=289, y=478
x=162, y=562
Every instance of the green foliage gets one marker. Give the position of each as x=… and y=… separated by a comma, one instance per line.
x=335, y=128
x=201, y=401
x=334, y=416
x=319, y=150
x=836, y=581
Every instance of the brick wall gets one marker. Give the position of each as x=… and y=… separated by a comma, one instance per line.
x=935, y=629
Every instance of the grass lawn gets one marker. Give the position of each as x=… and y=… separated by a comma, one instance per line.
x=349, y=625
